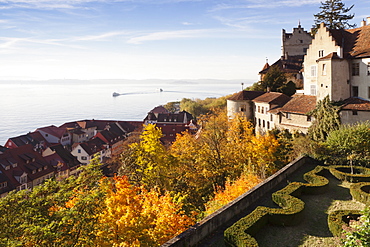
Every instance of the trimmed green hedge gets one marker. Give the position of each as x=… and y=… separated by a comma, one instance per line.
x=343, y=173
x=290, y=212
x=360, y=192
x=337, y=219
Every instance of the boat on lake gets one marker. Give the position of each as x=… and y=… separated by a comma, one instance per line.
x=116, y=94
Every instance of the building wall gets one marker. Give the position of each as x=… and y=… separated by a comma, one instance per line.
x=362, y=80
x=48, y=137
x=243, y=107
x=324, y=42
x=295, y=122
x=298, y=42
x=332, y=79
x=352, y=117
x=264, y=120
x=81, y=155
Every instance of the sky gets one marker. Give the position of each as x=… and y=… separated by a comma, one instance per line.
x=148, y=39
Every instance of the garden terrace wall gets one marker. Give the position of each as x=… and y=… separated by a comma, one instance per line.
x=213, y=222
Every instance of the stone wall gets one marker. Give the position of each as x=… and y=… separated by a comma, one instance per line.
x=211, y=223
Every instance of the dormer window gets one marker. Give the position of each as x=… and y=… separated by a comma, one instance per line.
x=7, y=167
x=23, y=179
x=33, y=171
x=39, y=170
x=14, y=165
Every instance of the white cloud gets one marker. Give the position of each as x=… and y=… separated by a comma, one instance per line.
x=100, y=36
x=264, y=4
x=72, y=4
x=166, y=35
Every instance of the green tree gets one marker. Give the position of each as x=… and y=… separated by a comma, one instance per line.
x=289, y=88
x=326, y=119
x=59, y=212
x=334, y=15
x=274, y=80
x=257, y=86
x=173, y=106
x=350, y=143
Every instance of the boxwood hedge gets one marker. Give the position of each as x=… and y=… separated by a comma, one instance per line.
x=240, y=234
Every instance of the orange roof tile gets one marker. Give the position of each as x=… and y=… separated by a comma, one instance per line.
x=246, y=95
x=357, y=104
x=273, y=98
x=301, y=104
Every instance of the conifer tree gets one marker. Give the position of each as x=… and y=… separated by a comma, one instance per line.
x=334, y=15
x=326, y=120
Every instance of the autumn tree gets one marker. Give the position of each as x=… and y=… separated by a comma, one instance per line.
x=231, y=191
x=139, y=217
x=223, y=151
x=148, y=160
x=334, y=15
x=59, y=212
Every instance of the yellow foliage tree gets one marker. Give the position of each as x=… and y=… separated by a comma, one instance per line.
x=150, y=158
x=138, y=217
x=231, y=192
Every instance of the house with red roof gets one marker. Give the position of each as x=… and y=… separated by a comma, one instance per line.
x=85, y=130
x=337, y=64
x=22, y=168
x=170, y=123
x=35, y=138
x=85, y=151
x=295, y=114
x=265, y=120
x=56, y=135
x=114, y=136
x=63, y=162
x=241, y=103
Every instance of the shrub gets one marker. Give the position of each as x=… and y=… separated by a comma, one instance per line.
x=290, y=212
x=343, y=173
x=340, y=218
x=361, y=192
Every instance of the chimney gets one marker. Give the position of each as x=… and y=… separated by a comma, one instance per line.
x=363, y=23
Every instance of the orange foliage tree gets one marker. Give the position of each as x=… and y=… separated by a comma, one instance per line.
x=138, y=217
x=231, y=192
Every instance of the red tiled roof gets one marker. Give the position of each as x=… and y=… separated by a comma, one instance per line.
x=246, y=95
x=355, y=42
x=159, y=109
x=27, y=160
x=357, y=104
x=330, y=56
x=273, y=98
x=53, y=130
x=300, y=104
x=293, y=64
x=93, y=146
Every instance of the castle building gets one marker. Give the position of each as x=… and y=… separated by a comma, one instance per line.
x=294, y=47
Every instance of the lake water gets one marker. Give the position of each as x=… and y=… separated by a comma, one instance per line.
x=27, y=105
